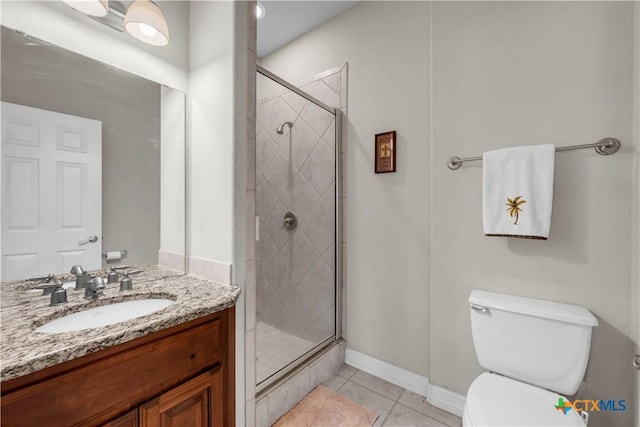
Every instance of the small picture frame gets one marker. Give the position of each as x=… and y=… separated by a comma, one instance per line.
x=385, y=154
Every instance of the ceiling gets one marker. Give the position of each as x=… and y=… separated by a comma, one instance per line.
x=285, y=21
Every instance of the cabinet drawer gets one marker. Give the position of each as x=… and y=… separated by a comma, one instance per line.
x=98, y=391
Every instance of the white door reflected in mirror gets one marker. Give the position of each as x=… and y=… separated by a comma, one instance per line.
x=51, y=192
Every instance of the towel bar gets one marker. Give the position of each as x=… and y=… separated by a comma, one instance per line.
x=605, y=146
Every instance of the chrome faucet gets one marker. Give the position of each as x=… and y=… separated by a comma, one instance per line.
x=95, y=288
x=77, y=270
x=82, y=277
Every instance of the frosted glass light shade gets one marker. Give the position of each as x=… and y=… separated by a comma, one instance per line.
x=90, y=7
x=146, y=22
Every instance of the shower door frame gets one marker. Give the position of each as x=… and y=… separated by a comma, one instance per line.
x=338, y=218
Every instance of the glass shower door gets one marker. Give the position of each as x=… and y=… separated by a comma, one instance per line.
x=295, y=203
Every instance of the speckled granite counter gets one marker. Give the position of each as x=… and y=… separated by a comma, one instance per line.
x=25, y=351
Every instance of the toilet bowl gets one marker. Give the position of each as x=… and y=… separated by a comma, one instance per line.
x=536, y=353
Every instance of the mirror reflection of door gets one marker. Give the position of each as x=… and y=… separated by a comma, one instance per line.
x=51, y=192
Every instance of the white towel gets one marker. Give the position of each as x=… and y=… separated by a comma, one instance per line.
x=517, y=191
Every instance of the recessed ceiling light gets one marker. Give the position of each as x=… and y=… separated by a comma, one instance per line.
x=260, y=10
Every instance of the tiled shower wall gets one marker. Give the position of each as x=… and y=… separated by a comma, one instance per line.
x=296, y=172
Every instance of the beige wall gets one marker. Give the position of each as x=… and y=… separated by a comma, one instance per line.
x=634, y=301
x=527, y=73
x=172, y=172
x=504, y=74
x=218, y=145
x=211, y=129
x=387, y=215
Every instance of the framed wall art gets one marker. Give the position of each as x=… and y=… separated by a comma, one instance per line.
x=385, y=156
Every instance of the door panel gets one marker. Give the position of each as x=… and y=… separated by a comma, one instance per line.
x=21, y=193
x=51, y=192
x=16, y=265
x=20, y=132
x=72, y=181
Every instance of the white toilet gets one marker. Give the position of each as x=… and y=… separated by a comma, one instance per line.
x=533, y=350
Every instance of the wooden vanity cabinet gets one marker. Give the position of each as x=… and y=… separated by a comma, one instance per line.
x=181, y=376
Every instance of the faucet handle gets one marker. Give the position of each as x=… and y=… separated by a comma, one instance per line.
x=77, y=270
x=126, y=284
x=49, y=287
x=131, y=272
x=58, y=296
x=49, y=278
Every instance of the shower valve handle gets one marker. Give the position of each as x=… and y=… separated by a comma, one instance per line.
x=290, y=221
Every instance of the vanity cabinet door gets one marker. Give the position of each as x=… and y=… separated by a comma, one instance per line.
x=196, y=403
x=130, y=419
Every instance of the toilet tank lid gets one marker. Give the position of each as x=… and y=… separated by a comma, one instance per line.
x=563, y=312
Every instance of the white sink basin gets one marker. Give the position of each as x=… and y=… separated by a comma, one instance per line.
x=104, y=315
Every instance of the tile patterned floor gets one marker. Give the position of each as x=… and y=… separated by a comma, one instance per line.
x=275, y=349
x=397, y=407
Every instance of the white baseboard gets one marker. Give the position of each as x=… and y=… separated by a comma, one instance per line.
x=388, y=372
x=447, y=400
x=437, y=396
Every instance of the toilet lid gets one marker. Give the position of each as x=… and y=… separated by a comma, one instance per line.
x=494, y=400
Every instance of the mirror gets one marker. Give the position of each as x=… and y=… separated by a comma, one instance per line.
x=93, y=163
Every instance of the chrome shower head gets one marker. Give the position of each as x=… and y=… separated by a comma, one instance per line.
x=280, y=130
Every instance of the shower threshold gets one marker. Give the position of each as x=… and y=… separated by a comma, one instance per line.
x=274, y=365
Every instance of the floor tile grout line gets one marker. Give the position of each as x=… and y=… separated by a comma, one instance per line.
x=353, y=383
x=349, y=375
x=387, y=416
x=397, y=401
x=376, y=392
x=423, y=414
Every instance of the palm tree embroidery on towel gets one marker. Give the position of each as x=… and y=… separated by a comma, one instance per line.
x=513, y=207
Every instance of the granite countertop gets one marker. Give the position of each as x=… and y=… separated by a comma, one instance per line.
x=25, y=351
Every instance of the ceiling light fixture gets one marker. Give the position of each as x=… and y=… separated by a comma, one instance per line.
x=260, y=10
x=90, y=7
x=146, y=22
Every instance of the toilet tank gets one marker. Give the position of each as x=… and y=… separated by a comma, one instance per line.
x=543, y=343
